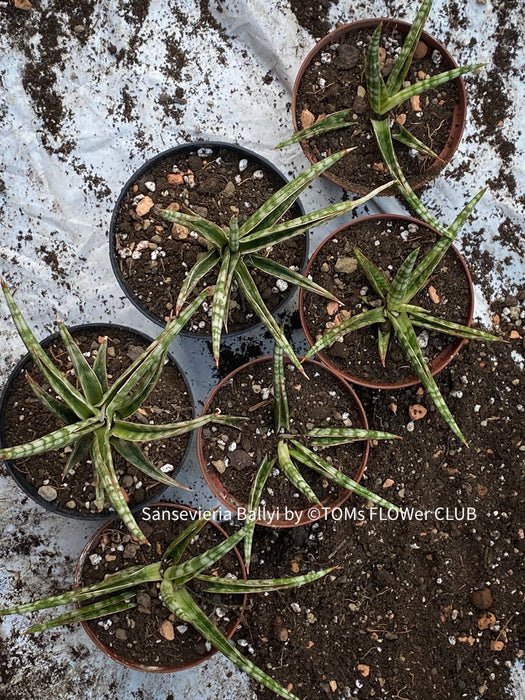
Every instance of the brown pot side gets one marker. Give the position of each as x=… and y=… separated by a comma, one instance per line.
x=439, y=362
x=458, y=115
x=109, y=652
x=307, y=514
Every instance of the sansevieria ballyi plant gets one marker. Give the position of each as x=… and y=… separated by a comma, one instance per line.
x=232, y=251
x=118, y=592
x=384, y=95
x=95, y=413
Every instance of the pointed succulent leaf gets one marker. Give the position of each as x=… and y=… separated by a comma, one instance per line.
x=281, y=410
x=134, y=455
x=213, y=584
x=101, y=608
x=342, y=436
x=214, y=234
x=336, y=120
x=253, y=504
x=420, y=317
x=178, y=546
x=204, y=264
x=398, y=288
x=137, y=432
x=52, y=441
x=181, y=604
x=367, y=318
x=407, y=338
x=405, y=137
x=293, y=474
x=234, y=234
x=400, y=69
x=99, y=366
x=253, y=296
x=125, y=406
x=379, y=282
x=100, y=495
x=275, y=269
x=86, y=376
x=318, y=464
x=272, y=210
x=79, y=452
x=383, y=340
x=375, y=85
x=221, y=300
x=55, y=406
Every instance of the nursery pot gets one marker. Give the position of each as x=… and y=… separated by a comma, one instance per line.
x=91, y=546
x=165, y=292
x=276, y=518
x=20, y=477
x=445, y=354
x=457, y=122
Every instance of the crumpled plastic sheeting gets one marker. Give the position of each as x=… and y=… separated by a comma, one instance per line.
x=47, y=195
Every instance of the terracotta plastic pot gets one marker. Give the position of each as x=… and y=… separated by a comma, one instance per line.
x=311, y=513
x=188, y=148
x=440, y=361
x=458, y=117
x=21, y=479
x=91, y=544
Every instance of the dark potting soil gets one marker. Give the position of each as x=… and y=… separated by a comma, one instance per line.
x=404, y=617
x=386, y=242
x=331, y=83
x=313, y=15
x=320, y=402
x=155, y=256
x=135, y=634
x=26, y=419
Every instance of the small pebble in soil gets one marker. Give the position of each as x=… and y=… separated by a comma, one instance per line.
x=48, y=493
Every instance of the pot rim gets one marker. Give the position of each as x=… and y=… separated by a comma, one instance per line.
x=152, y=162
x=24, y=483
x=109, y=652
x=307, y=514
x=441, y=360
x=458, y=114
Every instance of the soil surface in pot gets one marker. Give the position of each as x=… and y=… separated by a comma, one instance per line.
x=135, y=634
x=386, y=242
x=335, y=81
x=155, y=256
x=26, y=419
x=404, y=616
x=235, y=456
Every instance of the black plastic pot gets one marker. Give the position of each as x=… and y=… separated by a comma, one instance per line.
x=188, y=148
x=20, y=478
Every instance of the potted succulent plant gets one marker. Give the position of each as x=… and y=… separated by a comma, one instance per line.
x=96, y=414
x=232, y=253
x=290, y=421
x=163, y=593
x=380, y=68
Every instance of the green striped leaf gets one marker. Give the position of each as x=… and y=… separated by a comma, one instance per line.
x=253, y=504
x=293, y=474
x=126, y=406
x=341, y=436
x=405, y=137
x=219, y=309
x=213, y=584
x=407, y=338
x=181, y=604
x=253, y=297
x=204, y=264
x=55, y=406
x=378, y=281
x=137, y=432
x=400, y=69
x=275, y=269
x=60, y=385
x=420, y=317
x=313, y=461
x=86, y=376
x=184, y=571
x=52, y=441
x=336, y=120
x=178, y=546
x=134, y=455
x=113, y=605
x=367, y=318
x=272, y=210
x=103, y=463
x=383, y=340
x=100, y=496
x=99, y=366
x=398, y=288
x=281, y=410
x=375, y=85
x=234, y=234
x=428, y=84
x=79, y=452
x=211, y=232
